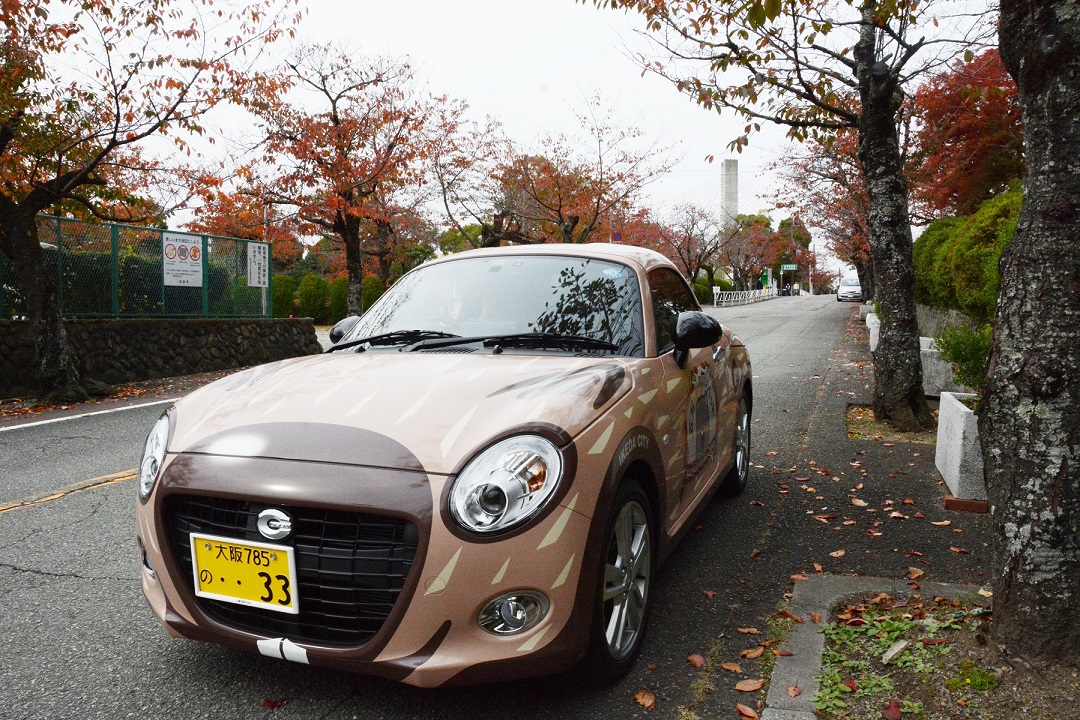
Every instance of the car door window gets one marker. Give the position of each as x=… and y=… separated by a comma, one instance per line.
x=670, y=296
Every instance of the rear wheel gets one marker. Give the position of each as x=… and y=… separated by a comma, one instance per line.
x=623, y=593
x=735, y=481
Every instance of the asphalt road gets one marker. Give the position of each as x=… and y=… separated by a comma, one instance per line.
x=80, y=641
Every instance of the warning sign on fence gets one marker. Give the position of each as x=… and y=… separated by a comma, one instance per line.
x=182, y=259
x=258, y=264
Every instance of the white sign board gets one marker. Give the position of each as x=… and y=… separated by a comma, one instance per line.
x=182, y=259
x=258, y=264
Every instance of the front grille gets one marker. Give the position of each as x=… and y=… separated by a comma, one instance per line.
x=350, y=567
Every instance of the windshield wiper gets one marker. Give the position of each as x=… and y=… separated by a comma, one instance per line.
x=393, y=338
x=528, y=340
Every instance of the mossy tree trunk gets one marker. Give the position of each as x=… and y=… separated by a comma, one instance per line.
x=1029, y=423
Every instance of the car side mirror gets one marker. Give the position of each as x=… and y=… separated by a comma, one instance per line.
x=694, y=329
x=342, y=328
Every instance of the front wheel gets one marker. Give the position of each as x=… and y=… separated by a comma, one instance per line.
x=736, y=479
x=623, y=592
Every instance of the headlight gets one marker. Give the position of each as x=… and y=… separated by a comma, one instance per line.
x=153, y=455
x=506, y=484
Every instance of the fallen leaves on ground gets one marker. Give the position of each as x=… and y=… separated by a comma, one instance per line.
x=789, y=615
x=274, y=704
x=709, y=594
x=749, y=631
x=752, y=653
x=749, y=685
x=645, y=699
x=794, y=691
x=696, y=660
x=915, y=573
x=732, y=667
x=838, y=553
x=746, y=711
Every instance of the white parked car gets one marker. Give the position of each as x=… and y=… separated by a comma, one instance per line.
x=849, y=290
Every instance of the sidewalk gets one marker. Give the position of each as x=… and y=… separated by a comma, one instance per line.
x=858, y=513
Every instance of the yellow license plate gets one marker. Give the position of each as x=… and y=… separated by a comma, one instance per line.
x=247, y=573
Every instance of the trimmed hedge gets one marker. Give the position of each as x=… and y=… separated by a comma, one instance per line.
x=284, y=296
x=339, y=299
x=312, y=298
x=956, y=259
x=373, y=289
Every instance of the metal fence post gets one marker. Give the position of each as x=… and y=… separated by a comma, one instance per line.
x=206, y=276
x=268, y=308
x=115, y=242
x=60, y=264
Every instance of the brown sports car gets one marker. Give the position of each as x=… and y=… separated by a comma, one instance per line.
x=475, y=483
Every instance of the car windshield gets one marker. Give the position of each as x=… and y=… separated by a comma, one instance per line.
x=490, y=296
x=849, y=281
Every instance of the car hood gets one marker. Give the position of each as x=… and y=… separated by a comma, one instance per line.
x=421, y=411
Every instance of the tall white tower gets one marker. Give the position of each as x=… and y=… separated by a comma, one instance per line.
x=730, y=191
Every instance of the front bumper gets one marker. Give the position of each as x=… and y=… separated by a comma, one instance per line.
x=430, y=636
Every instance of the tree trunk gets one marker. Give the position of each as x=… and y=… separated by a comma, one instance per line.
x=58, y=366
x=865, y=271
x=1029, y=424
x=898, y=391
x=354, y=268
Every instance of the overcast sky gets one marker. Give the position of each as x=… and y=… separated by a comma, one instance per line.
x=533, y=64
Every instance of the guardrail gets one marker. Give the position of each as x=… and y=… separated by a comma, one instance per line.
x=740, y=297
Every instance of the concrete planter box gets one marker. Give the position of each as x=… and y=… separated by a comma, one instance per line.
x=874, y=324
x=958, y=456
x=937, y=372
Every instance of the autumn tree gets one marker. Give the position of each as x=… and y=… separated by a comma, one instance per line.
x=693, y=238
x=797, y=64
x=751, y=248
x=825, y=182
x=243, y=214
x=1028, y=420
x=968, y=140
x=341, y=138
x=83, y=86
x=567, y=189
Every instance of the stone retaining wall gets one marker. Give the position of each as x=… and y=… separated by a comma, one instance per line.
x=127, y=350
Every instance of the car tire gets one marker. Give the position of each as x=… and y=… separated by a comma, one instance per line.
x=623, y=588
x=735, y=481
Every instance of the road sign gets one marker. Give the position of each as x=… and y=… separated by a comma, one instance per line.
x=785, y=268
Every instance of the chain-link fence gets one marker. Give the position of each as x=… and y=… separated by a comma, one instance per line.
x=110, y=270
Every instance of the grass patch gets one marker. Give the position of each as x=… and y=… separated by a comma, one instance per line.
x=861, y=425
x=940, y=665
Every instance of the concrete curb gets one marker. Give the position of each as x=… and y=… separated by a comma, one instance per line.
x=820, y=594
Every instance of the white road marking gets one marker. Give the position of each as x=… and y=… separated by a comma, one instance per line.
x=83, y=415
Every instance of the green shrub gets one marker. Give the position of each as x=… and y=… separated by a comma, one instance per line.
x=703, y=290
x=968, y=350
x=373, y=289
x=956, y=259
x=933, y=278
x=284, y=295
x=312, y=297
x=977, y=252
x=724, y=286
x=339, y=298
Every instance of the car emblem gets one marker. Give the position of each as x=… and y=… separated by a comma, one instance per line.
x=274, y=524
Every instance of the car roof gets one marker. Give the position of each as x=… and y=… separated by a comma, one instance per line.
x=645, y=258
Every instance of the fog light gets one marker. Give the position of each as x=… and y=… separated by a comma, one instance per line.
x=514, y=612
x=146, y=562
